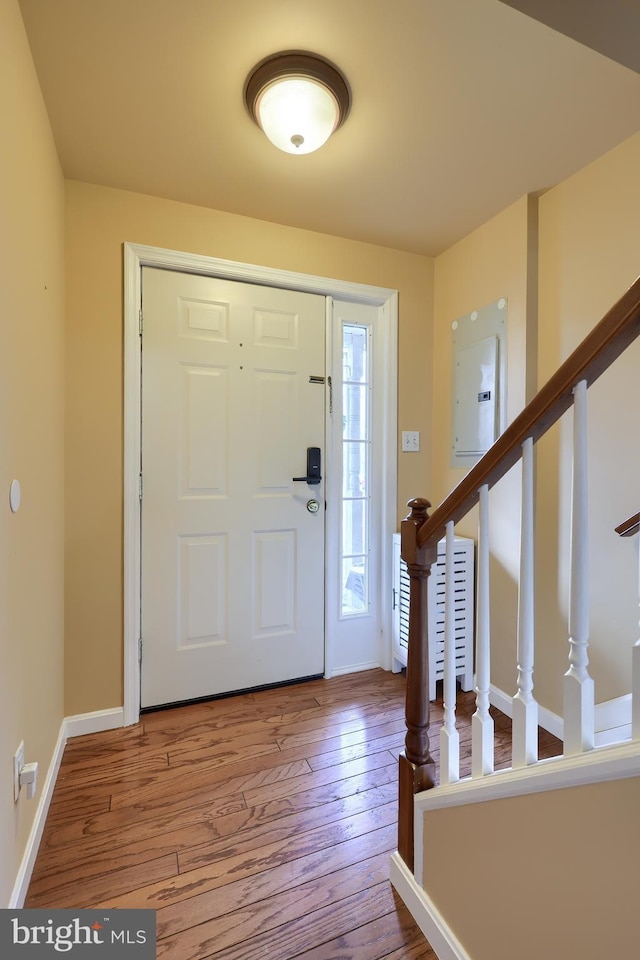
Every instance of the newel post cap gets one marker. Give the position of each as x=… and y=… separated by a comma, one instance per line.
x=418, y=507
x=410, y=526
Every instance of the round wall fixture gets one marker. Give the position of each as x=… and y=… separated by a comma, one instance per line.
x=298, y=99
x=14, y=496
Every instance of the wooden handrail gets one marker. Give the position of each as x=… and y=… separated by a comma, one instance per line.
x=421, y=532
x=629, y=527
x=618, y=328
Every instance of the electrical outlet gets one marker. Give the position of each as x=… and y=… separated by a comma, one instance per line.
x=18, y=764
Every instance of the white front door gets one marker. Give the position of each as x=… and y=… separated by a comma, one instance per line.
x=232, y=551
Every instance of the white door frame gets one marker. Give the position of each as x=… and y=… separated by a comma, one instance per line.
x=137, y=256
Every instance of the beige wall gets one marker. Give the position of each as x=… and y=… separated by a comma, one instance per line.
x=31, y=427
x=497, y=260
x=589, y=238
x=570, y=254
x=530, y=877
x=589, y=255
x=99, y=220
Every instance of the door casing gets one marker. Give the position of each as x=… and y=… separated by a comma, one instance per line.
x=137, y=256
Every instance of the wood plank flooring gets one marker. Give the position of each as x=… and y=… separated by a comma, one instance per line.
x=258, y=825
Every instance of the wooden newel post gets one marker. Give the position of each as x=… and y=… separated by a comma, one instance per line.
x=417, y=767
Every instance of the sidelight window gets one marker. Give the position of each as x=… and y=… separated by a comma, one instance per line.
x=356, y=468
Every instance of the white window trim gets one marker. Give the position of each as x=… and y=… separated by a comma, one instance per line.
x=137, y=256
x=359, y=641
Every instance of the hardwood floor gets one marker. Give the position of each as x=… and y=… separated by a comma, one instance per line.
x=259, y=825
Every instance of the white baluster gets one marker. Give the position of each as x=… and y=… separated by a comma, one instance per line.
x=449, y=736
x=482, y=721
x=579, y=706
x=525, y=708
x=635, y=673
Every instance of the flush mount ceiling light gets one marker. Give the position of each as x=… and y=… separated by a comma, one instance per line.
x=298, y=99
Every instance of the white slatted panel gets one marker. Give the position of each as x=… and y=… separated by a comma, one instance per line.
x=463, y=614
x=463, y=572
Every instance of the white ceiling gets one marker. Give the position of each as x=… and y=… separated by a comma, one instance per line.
x=459, y=108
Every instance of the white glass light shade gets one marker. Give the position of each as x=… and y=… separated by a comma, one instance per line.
x=297, y=114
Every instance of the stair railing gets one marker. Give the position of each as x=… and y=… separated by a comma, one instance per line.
x=629, y=527
x=420, y=534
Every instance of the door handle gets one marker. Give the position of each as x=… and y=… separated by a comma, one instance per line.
x=313, y=467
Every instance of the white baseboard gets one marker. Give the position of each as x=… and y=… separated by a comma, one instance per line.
x=549, y=721
x=355, y=668
x=613, y=721
x=76, y=726
x=83, y=723
x=424, y=911
x=612, y=717
x=21, y=885
x=501, y=700
x=607, y=738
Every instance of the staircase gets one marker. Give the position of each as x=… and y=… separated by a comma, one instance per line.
x=537, y=860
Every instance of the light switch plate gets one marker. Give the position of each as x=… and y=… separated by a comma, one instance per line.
x=410, y=441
